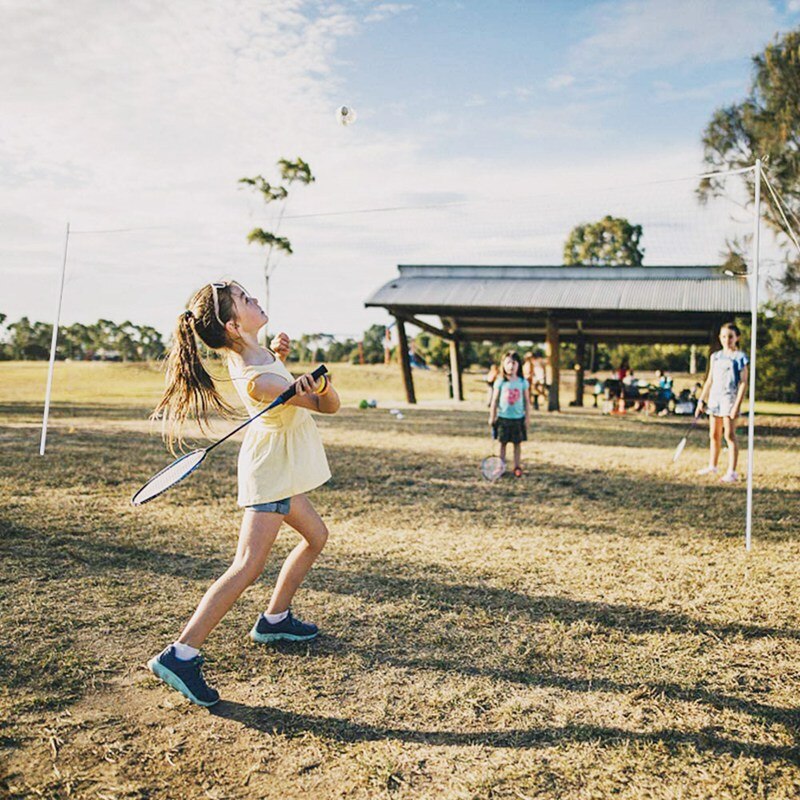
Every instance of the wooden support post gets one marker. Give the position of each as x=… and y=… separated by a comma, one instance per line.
x=405, y=362
x=580, y=360
x=693, y=359
x=593, y=357
x=456, y=370
x=553, y=364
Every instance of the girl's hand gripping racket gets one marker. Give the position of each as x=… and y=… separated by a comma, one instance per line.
x=682, y=442
x=182, y=467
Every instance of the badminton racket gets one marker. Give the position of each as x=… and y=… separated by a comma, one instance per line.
x=682, y=442
x=185, y=465
x=493, y=468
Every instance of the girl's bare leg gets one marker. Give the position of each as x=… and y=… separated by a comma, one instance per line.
x=733, y=443
x=305, y=520
x=503, y=450
x=517, y=455
x=715, y=439
x=256, y=537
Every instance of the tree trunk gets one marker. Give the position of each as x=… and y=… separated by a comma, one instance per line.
x=263, y=334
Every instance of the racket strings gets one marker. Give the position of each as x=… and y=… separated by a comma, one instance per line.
x=169, y=476
x=493, y=467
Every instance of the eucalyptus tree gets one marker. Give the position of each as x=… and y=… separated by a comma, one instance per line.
x=764, y=124
x=611, y=241
x=297, y=171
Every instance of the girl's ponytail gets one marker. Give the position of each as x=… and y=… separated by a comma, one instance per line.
x=190, y=390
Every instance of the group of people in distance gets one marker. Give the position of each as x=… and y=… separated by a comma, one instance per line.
x=516, y=385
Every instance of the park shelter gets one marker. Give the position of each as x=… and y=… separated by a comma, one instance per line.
x=584, y=305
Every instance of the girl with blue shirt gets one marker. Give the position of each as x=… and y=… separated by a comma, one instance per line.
x=722, y=397
x=510, y=408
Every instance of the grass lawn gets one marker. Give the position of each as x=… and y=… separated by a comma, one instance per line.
x=593, y=630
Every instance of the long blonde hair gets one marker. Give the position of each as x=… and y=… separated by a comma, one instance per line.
x=190, y=390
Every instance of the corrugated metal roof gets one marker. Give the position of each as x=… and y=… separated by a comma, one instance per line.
x=666, y=289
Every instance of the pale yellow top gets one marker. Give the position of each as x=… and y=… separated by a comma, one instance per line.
x=282, y=453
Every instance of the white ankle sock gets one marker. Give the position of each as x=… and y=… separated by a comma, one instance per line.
x=185, y=652
x=274, y=619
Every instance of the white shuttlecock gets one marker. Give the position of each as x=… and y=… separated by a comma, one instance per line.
x=398, y=415
x=346, y=115
x=394, y=411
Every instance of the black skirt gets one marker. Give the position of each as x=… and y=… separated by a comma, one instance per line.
x=511, y=430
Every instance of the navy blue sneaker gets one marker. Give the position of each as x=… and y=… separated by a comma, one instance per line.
x=289, y=628
x=185, y=676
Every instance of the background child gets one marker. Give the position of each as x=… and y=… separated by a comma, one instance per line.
x=510, y=408
x=281, y=458
x=722, y=396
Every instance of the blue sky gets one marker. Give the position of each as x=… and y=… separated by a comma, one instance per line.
x=534, y=116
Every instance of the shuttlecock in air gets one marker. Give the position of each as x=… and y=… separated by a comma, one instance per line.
x=346, y=115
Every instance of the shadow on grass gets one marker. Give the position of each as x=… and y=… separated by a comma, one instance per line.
x=402, y=483
x=49, y=558
x=272, y=721
x=64, y=411
x=444, y=663
x=445, y=597
x=375, y=583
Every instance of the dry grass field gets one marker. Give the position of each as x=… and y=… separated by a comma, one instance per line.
x=593, y=630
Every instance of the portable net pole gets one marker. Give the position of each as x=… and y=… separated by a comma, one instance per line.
x=753, y=331
x=53, y=343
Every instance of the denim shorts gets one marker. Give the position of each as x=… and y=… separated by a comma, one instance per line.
x=278, y=507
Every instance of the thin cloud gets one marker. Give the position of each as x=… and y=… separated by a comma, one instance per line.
x=384, y=11
x=475, y=101
x=516, y=92
x=560, y=81
x=637, y=35
x=665, y=92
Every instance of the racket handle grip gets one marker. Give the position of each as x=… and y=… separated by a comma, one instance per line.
x=292, y=390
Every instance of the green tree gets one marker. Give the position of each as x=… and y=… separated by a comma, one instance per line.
x=433, y=349
x=151, y=345
x=29, y=341
x=341, y=351
x=778, y=363
x=4, y=351
x=612, y=241
x=373, y=341
x=74, y=340
x=766, y=125
x=297, y=171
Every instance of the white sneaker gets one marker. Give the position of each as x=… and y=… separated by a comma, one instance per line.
x=707, y=471
x=729, y=477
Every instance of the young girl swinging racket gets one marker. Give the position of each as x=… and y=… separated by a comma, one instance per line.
x=281, y=459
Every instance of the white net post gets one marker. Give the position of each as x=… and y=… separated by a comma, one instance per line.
x=753, y=277
x=53, y=343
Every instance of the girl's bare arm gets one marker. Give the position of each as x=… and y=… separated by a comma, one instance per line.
x=265, y=388
x=703, y=395
x=493, y=405
x=737, y=406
